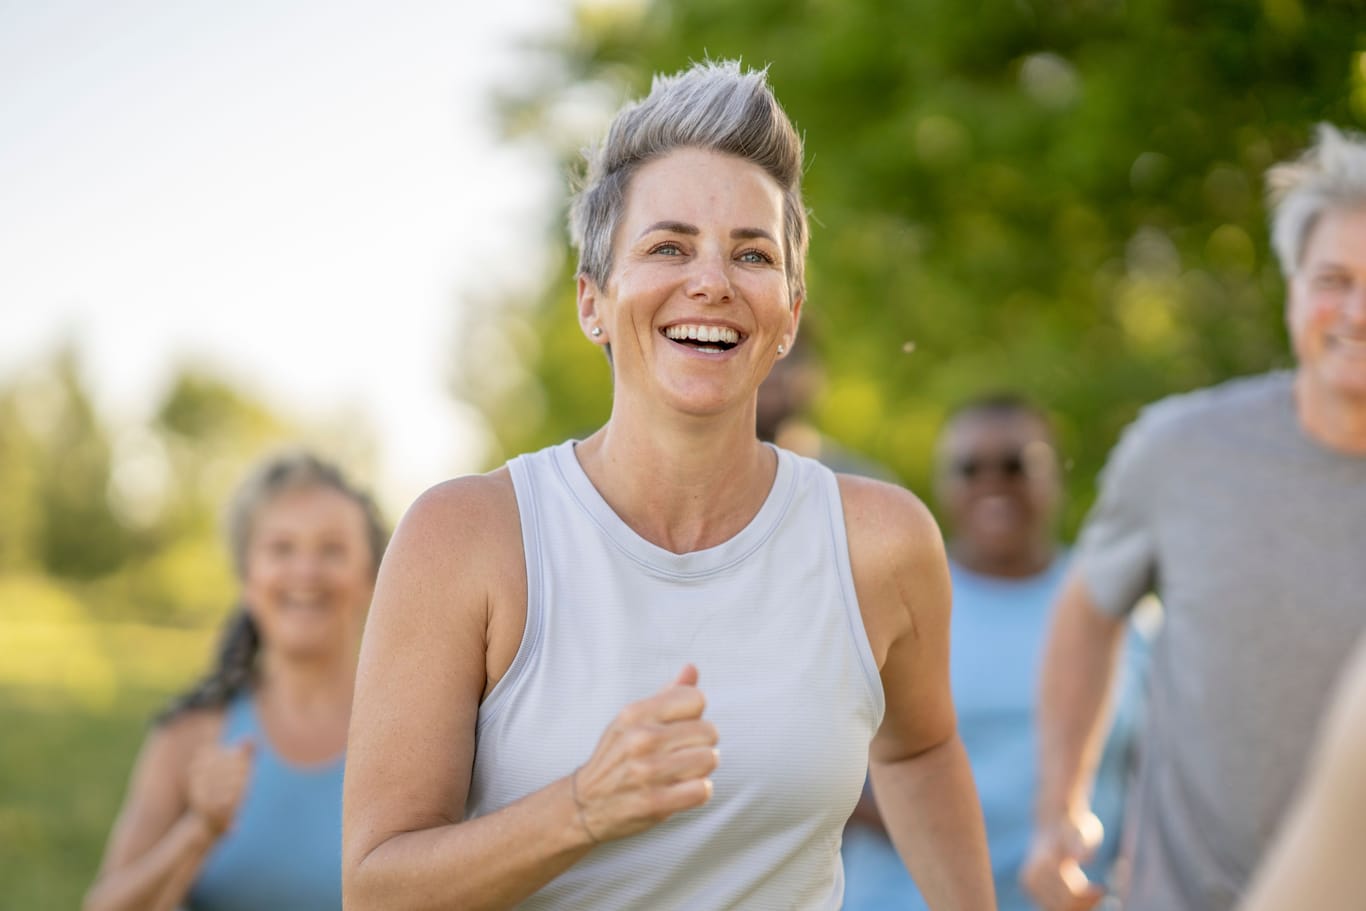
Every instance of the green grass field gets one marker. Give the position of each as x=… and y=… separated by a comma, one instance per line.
x=75, y=699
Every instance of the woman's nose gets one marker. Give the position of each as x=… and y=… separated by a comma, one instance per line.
x=709, y=281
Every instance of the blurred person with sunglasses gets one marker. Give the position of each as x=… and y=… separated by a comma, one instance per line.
x=1244, y=507
x=998, y=484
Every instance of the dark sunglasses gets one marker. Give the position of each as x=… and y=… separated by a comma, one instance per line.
x=1011, y=466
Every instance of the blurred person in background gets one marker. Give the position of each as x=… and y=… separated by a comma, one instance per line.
x=1315, y=861
x=1244, y=507
x=998, y=483
x=516, y=741
x=783, y=413
x=235, y=800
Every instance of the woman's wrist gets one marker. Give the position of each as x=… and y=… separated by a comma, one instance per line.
x=202, y=829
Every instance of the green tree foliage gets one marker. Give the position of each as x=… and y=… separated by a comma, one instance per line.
x=1061, y=198
x=77, y=534
x=122, y=517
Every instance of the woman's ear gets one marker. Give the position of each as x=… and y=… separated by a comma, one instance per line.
x=588, y=297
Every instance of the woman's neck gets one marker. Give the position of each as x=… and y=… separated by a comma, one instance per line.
x=309, y=685
x=684, y=485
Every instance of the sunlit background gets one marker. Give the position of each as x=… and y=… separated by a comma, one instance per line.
x=293, y=197
x=228, y=227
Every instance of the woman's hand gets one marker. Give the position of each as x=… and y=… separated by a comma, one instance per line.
x=218, y=778
x=651, y=762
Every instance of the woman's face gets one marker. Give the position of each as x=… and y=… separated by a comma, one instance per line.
x=309, y=572
x=697, y=302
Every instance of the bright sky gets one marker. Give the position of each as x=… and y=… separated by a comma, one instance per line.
x=295, y=194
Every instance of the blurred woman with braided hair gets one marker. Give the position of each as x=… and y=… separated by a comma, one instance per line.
x=235, y=801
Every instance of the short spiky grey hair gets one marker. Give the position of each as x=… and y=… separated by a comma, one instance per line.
x=1331, y=174
x=712, y=105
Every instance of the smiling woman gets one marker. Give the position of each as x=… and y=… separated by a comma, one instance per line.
x=699, y=301
x=236, y=799
x=515, y=739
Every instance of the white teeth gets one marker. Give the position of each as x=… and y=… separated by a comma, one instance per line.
x=703, y=333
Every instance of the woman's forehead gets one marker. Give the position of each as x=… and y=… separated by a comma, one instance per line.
x=701, y=188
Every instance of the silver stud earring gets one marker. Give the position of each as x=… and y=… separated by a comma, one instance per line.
x=596, y=332
x=782, y=349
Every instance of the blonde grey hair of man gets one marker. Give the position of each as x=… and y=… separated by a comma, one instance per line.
x=712, y=105
x=1331, y=174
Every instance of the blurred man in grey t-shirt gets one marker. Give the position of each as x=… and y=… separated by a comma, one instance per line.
x=1244, y=507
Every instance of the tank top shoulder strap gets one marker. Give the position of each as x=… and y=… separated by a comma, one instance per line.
x=828, y=481
x=528, y=475
x=239, y=719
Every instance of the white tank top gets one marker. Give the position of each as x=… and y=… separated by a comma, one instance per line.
x=771, y=621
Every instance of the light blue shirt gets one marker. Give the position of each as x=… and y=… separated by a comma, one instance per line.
x=283, y=849
x=999, y=629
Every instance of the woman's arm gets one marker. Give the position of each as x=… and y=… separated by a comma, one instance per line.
x=1316, y=859
x=448, y=615
x=919, y=769
x=183, y=794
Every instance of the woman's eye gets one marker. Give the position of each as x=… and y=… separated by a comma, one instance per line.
x=755, y=256
x=668, y=249
x=1332, y=281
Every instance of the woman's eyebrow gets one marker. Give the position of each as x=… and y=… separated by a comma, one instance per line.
x=674, y=227
x=752, y=234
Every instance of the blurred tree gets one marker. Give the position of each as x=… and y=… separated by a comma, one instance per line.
x=210, y=431
x=124, y=518
x=76, y=535
x=20, y=512
x=1062, y=198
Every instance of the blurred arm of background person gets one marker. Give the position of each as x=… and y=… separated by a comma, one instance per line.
x=1079, y=665
x=1114, y=569
x=163, y=836
x=1316, y=859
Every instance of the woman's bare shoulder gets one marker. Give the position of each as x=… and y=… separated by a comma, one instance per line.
x=474, y=513
x=888, y=519
x=456, y=560
x=187, y=731
x=464, y=501
x=896, y=555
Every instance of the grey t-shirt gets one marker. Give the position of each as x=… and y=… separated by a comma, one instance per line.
x=1255, y=538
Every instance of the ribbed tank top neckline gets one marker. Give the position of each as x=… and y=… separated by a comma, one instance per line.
x=243, y=719
x=690, y=565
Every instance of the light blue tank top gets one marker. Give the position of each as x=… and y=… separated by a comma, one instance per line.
x=283, y=850
x=771, y=621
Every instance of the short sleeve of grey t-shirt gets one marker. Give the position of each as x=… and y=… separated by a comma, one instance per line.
x=1117, y=549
